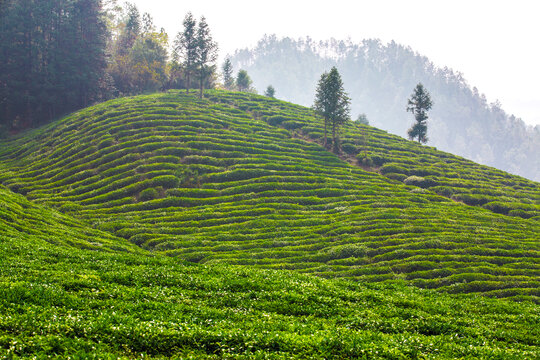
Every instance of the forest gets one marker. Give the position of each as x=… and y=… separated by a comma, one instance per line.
x=379, y=78
x=62, y=55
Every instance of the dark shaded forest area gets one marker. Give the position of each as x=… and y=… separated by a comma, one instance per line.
x=62, y=55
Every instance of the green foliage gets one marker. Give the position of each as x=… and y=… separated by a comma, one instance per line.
x=419, y=104
x=53, y=59
x=121, y=305
x=238, y=187
x=148, y=194
x=243, y=81
x=227, y=71
x=185, y=47
x=258, y=206
x=381, y=79
x=270, y=91
x=333, y=104
x=206, y=54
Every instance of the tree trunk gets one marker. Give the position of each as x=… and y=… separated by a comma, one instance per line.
x=201, y=86
x=325, y=122
x=334, y=143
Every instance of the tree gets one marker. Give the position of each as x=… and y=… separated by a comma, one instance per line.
x=419, y=104
x=185, y=47
x=332, y=103
x=243, y=81
x=270, y=91
x=53, y=58
x=362, y=119
x=206, y=54
x=130, y=31
x=228, y=80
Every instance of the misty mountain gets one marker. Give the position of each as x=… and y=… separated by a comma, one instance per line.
x=380, y=78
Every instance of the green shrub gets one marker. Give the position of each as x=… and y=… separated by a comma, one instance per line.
x=105, y=143
x=393, y=168
x=364, y=158
x=396, y=176
x=522, y=213
x=378, y=160
x=148, y=194
x=349, y=148
x=276, y=120
x=419, y=181
x=166, y=181
x=347, y=251
x=498, y=207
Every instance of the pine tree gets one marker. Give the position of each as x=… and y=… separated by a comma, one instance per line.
x=53, y=58
x=333, y=104
x=206, y=54
x=419, y=104
x=243, y=81
x=270, y=91
x=228, y=80
x=185, y=47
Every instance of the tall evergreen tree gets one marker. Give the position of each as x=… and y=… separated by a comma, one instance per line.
x=333, y=104
x=227, y=70
x=270, y=91
x=206, y=54
x=185, y=47
x=419, y=104
x=53, y=58
x=243, y=81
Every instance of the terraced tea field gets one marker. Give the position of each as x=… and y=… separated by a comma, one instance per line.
x=67, y=291
x=239, y=179
x=405, y=161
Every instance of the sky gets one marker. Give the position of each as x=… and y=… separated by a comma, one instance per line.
x=494, y=44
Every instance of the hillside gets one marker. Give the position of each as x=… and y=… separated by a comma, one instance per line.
x=61, y=296
x=240, y=179
x=380, y=78
x=22, y=219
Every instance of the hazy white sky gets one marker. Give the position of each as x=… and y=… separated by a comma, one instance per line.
x=494, y=43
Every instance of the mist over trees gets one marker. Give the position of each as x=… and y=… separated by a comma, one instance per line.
x=379, y=78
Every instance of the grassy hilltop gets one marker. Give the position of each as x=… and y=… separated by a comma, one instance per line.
x=241, y=179
x=163, y=225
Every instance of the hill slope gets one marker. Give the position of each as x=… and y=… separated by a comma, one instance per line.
x=239, y=179
x=59, y=297
x=380, y=78
x=110, y=305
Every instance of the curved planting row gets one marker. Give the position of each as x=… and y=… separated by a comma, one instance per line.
x=24, y=220
x=229, y=180
x=406, y=161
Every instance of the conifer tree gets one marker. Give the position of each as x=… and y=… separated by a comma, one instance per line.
x=243, y=81
x=332, y=103
x=206, y=54
x=228, y=79
x=185, y=47
x=52, y=58
x=419, y=104
x=270, y=91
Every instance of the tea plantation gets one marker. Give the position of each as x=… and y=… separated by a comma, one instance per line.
x=67, y=291
x=240, y=179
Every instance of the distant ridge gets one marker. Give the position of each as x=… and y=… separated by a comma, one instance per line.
x=380, y=77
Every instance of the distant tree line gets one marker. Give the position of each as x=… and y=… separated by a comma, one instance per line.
x=379, y=78
x=61, y=55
